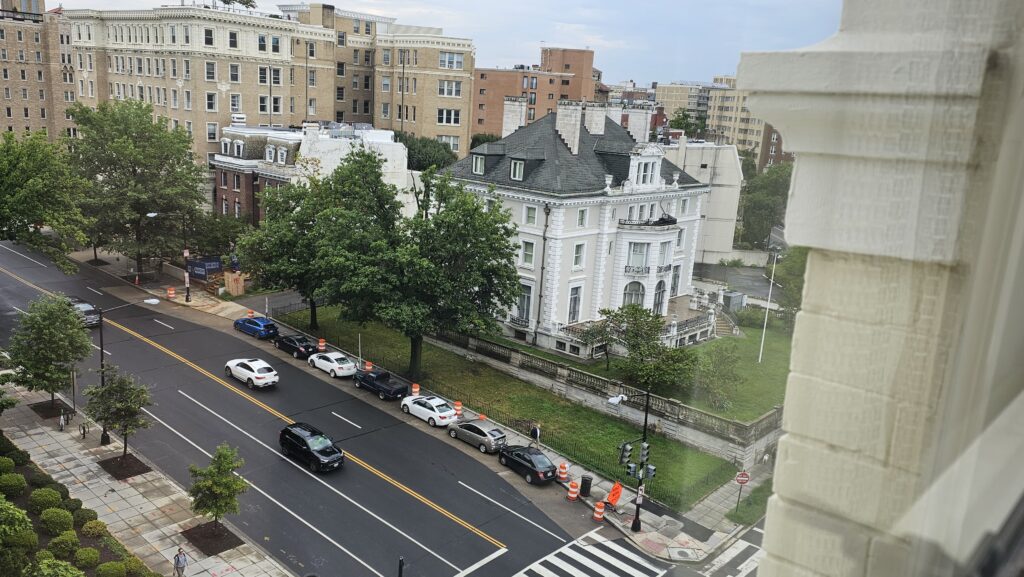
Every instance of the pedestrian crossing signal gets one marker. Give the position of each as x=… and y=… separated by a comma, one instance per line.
x=651, y=470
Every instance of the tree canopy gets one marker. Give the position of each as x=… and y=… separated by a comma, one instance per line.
x=136, y=166
x=38, y=190
x=426, y=152
x=691, y=126
x=763, y=204
x=479, y=139
x=215, y=488
x=649, y=364
x=49, y=339
x=789, y=275
x=118, y=405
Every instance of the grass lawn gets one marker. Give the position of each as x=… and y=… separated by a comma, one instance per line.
x=584, y=435
x=753, y=506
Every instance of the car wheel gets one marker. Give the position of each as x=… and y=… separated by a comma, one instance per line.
x=333, y=374
x=295, y=354
x=277, y=345
x=453, y=434
x=529, y=478
x=313, y=467
x=483, y=448
x=249, y=383
x=380, y=395
x=310, y=363
x=431, y=422
x=405, y=409
x=502, y=460
x=356, y=381
x=227, y=371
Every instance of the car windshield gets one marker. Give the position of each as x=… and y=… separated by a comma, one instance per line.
x=85, y=308
x=339, y=359
x=541, y=460
x=319, y=443
x=443, y=407
x=264, y=370
x=270, y=327
x=300, y=340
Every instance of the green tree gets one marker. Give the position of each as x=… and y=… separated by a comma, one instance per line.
x=136, y=166
x=649, y=364
x=451, y=266
x=118, y=405
x=215, y=489
x=763, y=203
x=426, y=152
x=716, y=373
x=690, y=126
x=49, y=340
x=279, y=252
x=37, y=190
x=598, y=333
x=479, y=139
x=789, y=276
x=748, y=164
x=244, y=3
x=213, y=234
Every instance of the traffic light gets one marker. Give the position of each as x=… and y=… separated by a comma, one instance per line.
x=631, y=470
x=625, y=452
x=645, y=452
x=651, y=470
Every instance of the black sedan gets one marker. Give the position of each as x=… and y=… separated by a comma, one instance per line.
x=297, y=346
x=311, y=446
x=529, y=462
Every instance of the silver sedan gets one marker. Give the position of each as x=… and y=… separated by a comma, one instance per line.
x=480, y=433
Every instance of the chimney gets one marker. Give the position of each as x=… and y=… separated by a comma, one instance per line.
x=593, y=117
x=567, y=122
x=639, y=119
x=514, y=115
x=615, y=113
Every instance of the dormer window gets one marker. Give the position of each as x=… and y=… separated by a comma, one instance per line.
x=645, y=172
x=478, y=164
x=239, y=146
x=225, y=147
x=270, y=153
x=516, y=172
x=282, y=155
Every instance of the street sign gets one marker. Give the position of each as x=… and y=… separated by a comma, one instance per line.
x=186, y=253
x=742, y=478
x=640, y=491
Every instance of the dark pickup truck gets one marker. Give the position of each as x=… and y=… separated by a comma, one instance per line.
x=381, y=383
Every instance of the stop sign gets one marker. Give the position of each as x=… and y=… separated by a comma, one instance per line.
x=742, y=478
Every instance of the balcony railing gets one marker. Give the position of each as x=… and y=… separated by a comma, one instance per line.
x=664, y=268
x=518, y=321
x=663, y=221
x=630, y=269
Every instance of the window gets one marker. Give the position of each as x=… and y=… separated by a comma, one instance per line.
x=659, y=298
x=633, y=294
x=638, y=253
x=174, y=98
x=532, y=100
x=533, y=83
x=174, y=67
x=236, y=103
x=366, y=107
x=341, y=69
x=367, y=26
x=675, y=280
x=174, y=34
x=385, y=84
x=263, y=103
x=311, y=77
x=275, y=44
x=275, y=76
x=262, y=75
x=311, y=49
x=355, y=108
x=208, y=36
x=311, y=107
x=261, y=42
x=355, y=56
x=236, y=181
x=211, y=102
x=385, y=110
x=224, y=205
x=451, y=60
x=575, y=295
x=386, y=56
x=525, y=302
x=577, y=255
x=269, y=155
x=234, y=73
x=684, y=205
x=355, y=26
x=341, y=38
x=448, y=116
x=450, y=140
x=211, y=71
x=530, y=215
x=232, y=39
x=211, y=132
x=282, y=155
x=665, y=255
x=531, y=114
x=645, y=173
x=516, y=172
x=223, y=173
x=449, y=88
x=188, y=100
x=238, y=208
x=339, y=93
x=366, y=82
x=188, y=68
x=581, y=218
x=478, y=164
x=526, y=257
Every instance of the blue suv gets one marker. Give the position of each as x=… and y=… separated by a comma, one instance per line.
x=259, y=327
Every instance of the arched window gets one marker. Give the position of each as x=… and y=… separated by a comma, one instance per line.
x=225, y=146
x=659, y=298
x=239, y=146
x=270, y=153
x=282, y=155
x=634, y=294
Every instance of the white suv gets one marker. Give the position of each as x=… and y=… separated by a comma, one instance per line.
x=255, y=373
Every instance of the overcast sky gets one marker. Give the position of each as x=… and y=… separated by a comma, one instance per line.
x=659, y=40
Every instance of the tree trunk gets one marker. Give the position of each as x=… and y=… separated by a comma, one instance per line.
x=607, y=358
x=415, y=356
x=124, y=453
x=313, y=324
x=95, y=255
x=53, y=399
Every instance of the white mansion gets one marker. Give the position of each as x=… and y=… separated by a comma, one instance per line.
x=604, y=219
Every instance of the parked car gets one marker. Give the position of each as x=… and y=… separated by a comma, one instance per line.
x=480, y=433
x=297, y=346
x=255, y=373
x=90, y=316
x=334, y=364
x=311, y=446
x=529, y=462
x=380, y=382
x=259, y=327
x=434, y=410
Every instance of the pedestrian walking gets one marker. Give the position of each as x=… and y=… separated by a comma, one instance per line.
x=535, y=434
x=180, y=562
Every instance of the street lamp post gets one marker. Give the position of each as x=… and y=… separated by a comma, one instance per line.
x=104, y=436
x=643, y=470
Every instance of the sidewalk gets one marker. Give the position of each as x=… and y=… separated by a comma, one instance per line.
x=146, y=513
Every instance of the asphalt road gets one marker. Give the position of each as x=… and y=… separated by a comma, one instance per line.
x=403, y=491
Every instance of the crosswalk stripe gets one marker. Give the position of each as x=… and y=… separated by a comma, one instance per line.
x=611, y=560
x=540, y=571
x=582, y=566
x=625, y=553
x=598, y=559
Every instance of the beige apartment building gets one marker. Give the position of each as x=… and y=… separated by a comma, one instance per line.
x=731, y=122
x=563, y=74
x=690, y=96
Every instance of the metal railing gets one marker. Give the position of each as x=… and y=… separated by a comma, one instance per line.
x=632, y=269
x=518, y=321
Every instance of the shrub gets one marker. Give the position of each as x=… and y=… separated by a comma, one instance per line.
x=6, y=445
x=55, y=568
x=37, y=477
x=42, y=499
x=6, y=465
x=111, y=569
x=64, y=545
x=87, y=558
x=20, y=458
x=55, y=521
x=134, y=567
x=43, y=554
x=12, y=485
x=60, y=488
x=26, y=539
x=13, y=561
x=752, y=317
x=115, y=547
x=83, y=516
x=71, y=505
x=94, y=529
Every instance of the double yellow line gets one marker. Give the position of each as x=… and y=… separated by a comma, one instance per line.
x=398, y=485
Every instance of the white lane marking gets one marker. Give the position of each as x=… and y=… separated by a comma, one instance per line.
x=164, y=324
x=626, y=552
x=748, y=566
x=93, y=290
x=758, y=530
x=104, y=352
x=16, y=308
x=321, y=481
x=346, y=420
x=273, y=500
x=726, y=556
x=536, y=564
x=23, y=256
x=511, y=511
x=482, y=562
